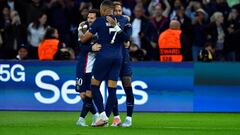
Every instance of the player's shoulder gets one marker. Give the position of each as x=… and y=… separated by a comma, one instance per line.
x=123, y=18
x=101, y=18
x=127, y=17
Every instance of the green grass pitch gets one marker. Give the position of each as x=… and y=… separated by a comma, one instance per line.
x=63, y=123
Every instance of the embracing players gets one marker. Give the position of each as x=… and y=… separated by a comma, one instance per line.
x=109, y=59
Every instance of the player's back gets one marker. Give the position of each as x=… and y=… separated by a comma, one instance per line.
x=106, y=36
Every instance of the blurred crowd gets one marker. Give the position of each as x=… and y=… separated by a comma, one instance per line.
x=211, y=27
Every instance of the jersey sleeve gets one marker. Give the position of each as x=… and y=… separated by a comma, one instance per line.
x=126, y=33
x=95, y=26
x=128, y=29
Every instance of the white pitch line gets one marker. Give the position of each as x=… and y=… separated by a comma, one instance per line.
x=201, y=128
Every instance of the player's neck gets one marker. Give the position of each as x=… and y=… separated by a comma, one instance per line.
x=109, y=13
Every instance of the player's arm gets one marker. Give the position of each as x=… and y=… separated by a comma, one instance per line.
x=91, y=48
x=90, y=33
x=86, y=37
x=82, y=32
x=96, y=47
x=87, y=47
x=128, y=30
x=123, y=35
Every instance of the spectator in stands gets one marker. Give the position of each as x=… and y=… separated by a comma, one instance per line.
x=84, y=14
x=152, y=6
x=232, y=49
x=142, y=30
x=193, y=9
x=160, y=23
x=22, y=52
x=5, y=22
x=73, y=15
x=50, y=45
x=172, y=43
x=85, y=4
x=13, y=5
x=58, y=18
x=207, y=53
x=126, y=7
x=13, y=32
x=137, y=54
x=236, y=40
x=199, y=35
x=29, y=11
x=65, y=53
x=185, y=21
x=218, y=6
x=216, y=33
x=186, y=27
x=10, y=3
x=36, y=31
x=233, y=20
x=176, y=5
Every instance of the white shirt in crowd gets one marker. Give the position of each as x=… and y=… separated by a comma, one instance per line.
x=35, y=36
x=136, y=27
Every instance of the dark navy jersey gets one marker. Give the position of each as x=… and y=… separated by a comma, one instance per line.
x=86, y=57
x=106, y=35
x=87, y=47
x=128, y=31
x=126, y=69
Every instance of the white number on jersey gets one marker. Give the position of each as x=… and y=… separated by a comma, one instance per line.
x=114, y=36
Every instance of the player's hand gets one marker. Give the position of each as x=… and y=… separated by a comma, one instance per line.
x=111, y=21
x=82, y=28
x=96, y=47
x=127, y=44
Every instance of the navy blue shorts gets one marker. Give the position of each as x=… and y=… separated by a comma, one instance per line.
x=83, y=82
x=126, y=69
x=106, y=69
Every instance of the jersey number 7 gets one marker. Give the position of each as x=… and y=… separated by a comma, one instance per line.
x=114, y=36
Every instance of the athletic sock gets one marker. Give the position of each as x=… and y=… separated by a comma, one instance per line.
x=130, y=100
x=115, y=108
x=84, y=109
x=97, y=98
x=111, y=100
x=92, y=109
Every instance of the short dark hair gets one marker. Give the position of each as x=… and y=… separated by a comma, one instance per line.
x=22, y=46
x=49, y=34
x=117, y=3
x=94, y=11
x=107, y=3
